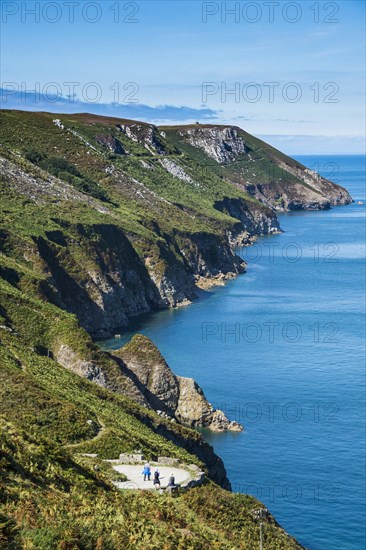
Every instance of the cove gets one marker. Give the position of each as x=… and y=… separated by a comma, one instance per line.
x=281, y=350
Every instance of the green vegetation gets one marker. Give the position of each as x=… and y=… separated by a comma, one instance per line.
x=81, y=148
x=67, y=258
x=140, y=347
x=51, y=496
x=61, y=168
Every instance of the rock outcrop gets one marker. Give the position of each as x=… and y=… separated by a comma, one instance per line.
x=139, y=371
x=68, y=359
x=176, y=170
x=145, y=134
x=290, y=195
x=221, y=143
x=255, y=221
x=173, y=396
x=194, y=409
x=116, y=378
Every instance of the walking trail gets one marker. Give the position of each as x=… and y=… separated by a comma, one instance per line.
x=135, y=479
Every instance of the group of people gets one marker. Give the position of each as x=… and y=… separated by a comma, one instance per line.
x=146, y=472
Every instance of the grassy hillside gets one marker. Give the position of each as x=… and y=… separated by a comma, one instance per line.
x=260, y=166
x=50, y=501
x=91, y=145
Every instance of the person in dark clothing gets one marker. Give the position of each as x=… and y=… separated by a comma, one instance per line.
x=156, y=480
x=171, y=481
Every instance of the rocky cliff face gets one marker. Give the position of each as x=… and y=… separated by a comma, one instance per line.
x=318, y=192
x=116, y=285
x=115, y=377
x=140, y=371
x=290, y=195
x=222, y=144
x=172, y=396
x=255, y=221
x=67, y=358
x=112, y=284
x=146, y=135
x=271, y=177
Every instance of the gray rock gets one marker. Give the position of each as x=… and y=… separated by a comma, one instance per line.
x=67, y=358
x=222, y=144
x=169, y=461
x=126, y=457
x=170, y=395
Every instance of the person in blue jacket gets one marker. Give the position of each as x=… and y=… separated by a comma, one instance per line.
x=146, y=472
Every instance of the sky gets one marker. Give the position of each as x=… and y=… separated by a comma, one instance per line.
x=292, y=73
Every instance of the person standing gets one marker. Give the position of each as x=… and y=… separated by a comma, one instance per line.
x=156, y=480
x=146, y=472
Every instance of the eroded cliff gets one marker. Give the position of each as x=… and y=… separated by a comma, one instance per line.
x=175, y=397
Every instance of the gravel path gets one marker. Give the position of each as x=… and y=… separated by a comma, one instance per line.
x=136, y=479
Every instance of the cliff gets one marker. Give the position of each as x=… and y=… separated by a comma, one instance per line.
x=125, y=217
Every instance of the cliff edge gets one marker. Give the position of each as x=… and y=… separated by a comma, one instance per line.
x=173, y=396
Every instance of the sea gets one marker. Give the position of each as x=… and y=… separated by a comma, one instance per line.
x=281, y=349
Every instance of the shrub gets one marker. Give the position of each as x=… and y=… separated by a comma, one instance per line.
x=34, y=156
x=66, y=171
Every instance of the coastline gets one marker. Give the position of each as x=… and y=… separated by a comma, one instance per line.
x=228, y=437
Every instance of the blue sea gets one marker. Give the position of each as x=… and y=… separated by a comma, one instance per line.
x=281, y=350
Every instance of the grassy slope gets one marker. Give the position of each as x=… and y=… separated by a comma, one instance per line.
x=260, y=166
x=78, y=144
x=50, y=501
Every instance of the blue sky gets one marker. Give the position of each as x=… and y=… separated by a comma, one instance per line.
x=295, y=69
